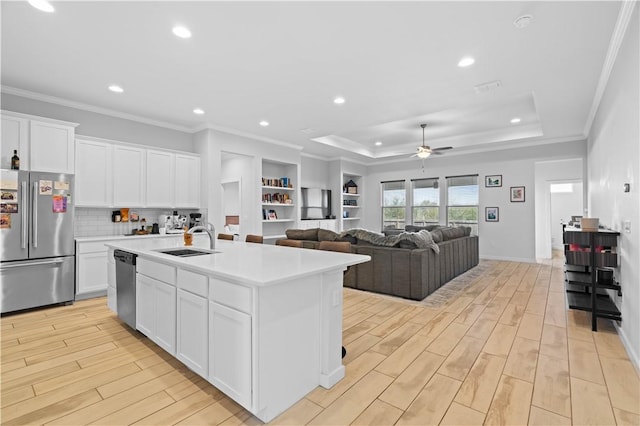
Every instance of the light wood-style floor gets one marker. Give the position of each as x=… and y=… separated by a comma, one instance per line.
x=505, y=351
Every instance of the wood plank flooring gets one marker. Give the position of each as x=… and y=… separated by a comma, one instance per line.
x=504, y=350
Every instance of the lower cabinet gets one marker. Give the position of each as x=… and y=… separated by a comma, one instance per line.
x=91, y=269
x=192, y=332
x=156, y=311
x=230, y=352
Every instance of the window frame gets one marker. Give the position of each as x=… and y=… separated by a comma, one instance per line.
x=383, y=207
x=474, y=225
x=413, y=206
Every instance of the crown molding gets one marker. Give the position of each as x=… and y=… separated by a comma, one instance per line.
x=314, y=156
x=624, y=16
x=91, y=108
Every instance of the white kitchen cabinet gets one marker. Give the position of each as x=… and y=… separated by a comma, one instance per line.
x=94, y=185
x=160, y=178
x=51, y=147
x=15, y=136
x=192, y=331
x=128, y=176
x=91, y=269
x=230, y=352
x=156, y=311
x=187, y=181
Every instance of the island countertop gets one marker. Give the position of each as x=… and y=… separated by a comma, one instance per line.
x=249, y=263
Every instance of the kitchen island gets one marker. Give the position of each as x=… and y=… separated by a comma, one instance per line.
x=261, y=323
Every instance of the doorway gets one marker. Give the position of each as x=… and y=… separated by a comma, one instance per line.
x=231, y=206
x=566, y=200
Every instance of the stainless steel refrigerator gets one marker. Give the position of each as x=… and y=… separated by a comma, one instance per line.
x=38, y=263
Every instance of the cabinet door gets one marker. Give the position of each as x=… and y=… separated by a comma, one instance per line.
x=128, y=176
x=93, y=174
x=92, y=272
x=187, y=181
x=192, y=334
x=230, y=352
x=160, y=179
x=145, y=305
x=52, y=147
x=165, y=313
x=14, y=136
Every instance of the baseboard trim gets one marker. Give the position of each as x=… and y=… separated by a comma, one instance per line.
x=509, y=259
x=633, y=356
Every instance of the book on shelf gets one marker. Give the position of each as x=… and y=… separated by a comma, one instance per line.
x=283, y=182
x=276, y=198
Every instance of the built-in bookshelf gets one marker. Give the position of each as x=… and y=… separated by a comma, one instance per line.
x=351, y=201
x=279, y=191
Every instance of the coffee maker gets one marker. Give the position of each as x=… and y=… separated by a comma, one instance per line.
x=195, y=219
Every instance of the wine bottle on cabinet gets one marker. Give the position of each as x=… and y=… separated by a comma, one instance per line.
x=15, y=160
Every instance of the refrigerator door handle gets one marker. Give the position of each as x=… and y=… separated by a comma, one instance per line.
x=34, y=214
x=23, y=264
x=23, y=224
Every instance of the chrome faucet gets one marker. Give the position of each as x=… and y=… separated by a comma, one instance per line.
x=209, y=229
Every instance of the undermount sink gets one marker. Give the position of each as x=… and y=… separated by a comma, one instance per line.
x=185, y=252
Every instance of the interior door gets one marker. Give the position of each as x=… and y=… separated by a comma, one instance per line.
x=52, y=219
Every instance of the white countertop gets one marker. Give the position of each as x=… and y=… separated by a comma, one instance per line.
x=129, y=237
x=249, y=263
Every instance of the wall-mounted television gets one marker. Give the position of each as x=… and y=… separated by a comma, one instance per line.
x=316, y=203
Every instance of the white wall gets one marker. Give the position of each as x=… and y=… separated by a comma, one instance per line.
x=102, y=126
x=314, y=173
x=545, y=173
x=614, y=159
x=513, y=237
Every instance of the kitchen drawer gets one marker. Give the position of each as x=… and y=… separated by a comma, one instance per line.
x=193, y=283
x=92, y=247
x=231, y=295
x=160, y=272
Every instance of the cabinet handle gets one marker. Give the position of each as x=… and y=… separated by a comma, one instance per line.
x=34, y=214
x=24, y=224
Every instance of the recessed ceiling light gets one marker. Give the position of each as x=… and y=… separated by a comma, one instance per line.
x=515, y=120
x=116, y=89
x=339, y=100
x=264, y=123
x=466, y=61
x=378, y=143
x=42, y=5
x=198, y=111
x=181, y=32
x=522, y=21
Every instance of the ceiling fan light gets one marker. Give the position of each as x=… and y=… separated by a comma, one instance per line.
x=423, y=154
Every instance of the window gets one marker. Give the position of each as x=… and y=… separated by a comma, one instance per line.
x=394, y=203
x=462, y=201
x=425, y=208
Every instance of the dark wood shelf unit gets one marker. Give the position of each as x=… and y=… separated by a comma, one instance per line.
x=587, y=255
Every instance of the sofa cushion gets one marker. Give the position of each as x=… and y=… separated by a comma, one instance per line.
x=392, y=231
x=414, y=228
x=436, y=234
x=348, y=238
x=302, y=234
x=452, y=233
x=326, y=235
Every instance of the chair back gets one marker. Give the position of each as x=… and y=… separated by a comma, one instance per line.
x=254, y=238
x=289, y=243
x=222, y=236
x=341, y=246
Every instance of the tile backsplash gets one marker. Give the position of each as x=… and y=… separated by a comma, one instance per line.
x=93, y=222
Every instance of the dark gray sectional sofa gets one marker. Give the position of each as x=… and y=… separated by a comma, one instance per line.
x=411, y=273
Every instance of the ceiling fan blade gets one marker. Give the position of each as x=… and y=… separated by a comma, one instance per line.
x=436, y=153
x=444, y=148
x=414, y=155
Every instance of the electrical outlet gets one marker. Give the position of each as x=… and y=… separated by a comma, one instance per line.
x=626, y=225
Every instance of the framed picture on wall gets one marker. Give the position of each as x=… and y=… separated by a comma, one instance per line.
x=517, y=194
x=491, y=214
x=493, y=181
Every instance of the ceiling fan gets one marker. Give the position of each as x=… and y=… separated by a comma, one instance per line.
x=424, y=151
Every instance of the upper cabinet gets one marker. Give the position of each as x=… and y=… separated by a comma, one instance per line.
x=94, y=166
x=113, y=174
x=160, y=178
x=187, y=181
x=129, y=176
x=43, y=145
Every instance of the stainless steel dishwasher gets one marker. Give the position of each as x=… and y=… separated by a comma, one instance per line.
x=126, y=286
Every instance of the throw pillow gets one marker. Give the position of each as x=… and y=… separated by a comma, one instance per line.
x=302, y=234
x=436, y=234
x=326, y=235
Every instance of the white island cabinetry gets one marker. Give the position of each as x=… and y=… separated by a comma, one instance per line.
x=266, y=335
